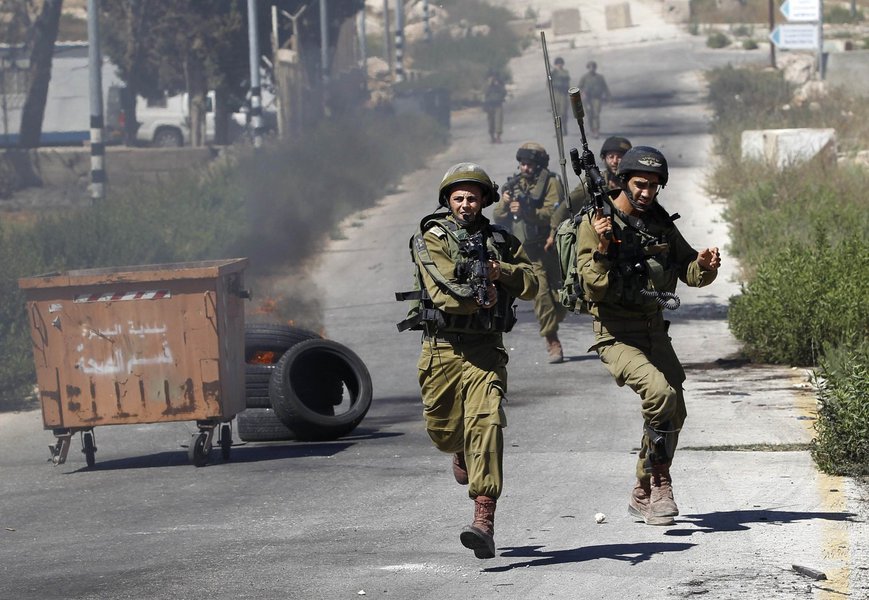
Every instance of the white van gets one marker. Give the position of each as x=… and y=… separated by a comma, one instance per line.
x=166, y=121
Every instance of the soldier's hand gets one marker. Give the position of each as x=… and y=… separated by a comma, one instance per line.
x=550, y=242
x=709, y=259
x=506, y=197
x=602, y=226
x=515, y=207
x=494, y=270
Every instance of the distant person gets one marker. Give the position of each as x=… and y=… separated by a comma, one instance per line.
x=493, y=104
x=529, y=201
x=560, y=85
x=594, y=93
x=630, y=263
x=462, y=368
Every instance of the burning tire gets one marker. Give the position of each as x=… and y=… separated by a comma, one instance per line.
x=261, y=425
x=264, y=344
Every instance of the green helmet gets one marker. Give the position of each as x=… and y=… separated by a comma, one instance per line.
x=615, y=144
x=534, y=153
x=643, y=159
x=467, y=172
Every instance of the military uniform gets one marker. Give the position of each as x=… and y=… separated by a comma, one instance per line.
x=627, y=289
x=493, y=104
x=463, y=309
x=594, y=91
x=533, y=227
x=560, y=86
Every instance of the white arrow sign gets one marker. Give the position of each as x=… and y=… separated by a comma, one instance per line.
x=795, y=37
x=801, y=10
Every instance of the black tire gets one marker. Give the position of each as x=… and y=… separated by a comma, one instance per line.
x=256, y=385
x=225, y=441
x=273, y=337
x=197, y=452
x=261, y=425
x=168, y=137
x=304, y=384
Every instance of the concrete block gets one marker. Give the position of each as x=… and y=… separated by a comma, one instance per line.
x=618, y=16
x=849, y=70
x=566, y=21
x=788, y=147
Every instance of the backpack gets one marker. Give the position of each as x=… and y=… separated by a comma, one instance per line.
x=572, y=293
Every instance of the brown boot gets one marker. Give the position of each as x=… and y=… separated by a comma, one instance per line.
x=460, y=470
x=640, y=504
x=553, y=346
x=661, y=502
x=479, y=536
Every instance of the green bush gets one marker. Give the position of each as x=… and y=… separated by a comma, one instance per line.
x=749, y=44
x=839, y=14
x=802, y=300
x=717, y=39
x=842, y=443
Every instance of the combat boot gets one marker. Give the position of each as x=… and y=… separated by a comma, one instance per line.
x=640, y=504
x=479, y=536
x=460, y=469
x=553, y=347
x=661, y=502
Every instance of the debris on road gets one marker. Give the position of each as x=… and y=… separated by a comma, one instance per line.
x=599, y=518
x=809, y=572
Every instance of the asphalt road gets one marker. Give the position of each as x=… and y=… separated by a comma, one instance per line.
x=378, y=514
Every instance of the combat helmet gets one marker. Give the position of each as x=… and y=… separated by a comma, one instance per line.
x=558, y=61
x=643, y=159
x=467, y=172
x=615, y=144
x=591, y=65
x=534, y=153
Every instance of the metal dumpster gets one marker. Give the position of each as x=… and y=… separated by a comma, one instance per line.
x=141, y=344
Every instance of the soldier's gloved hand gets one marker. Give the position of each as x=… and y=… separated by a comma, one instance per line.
x=602, y=225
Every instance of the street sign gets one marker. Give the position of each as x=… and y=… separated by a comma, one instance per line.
x=801, y=10
x=795, y=37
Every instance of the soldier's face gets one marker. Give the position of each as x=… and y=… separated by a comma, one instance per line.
x=466, y=202
x=644, y=188
x=612, y=160
x=527, y=169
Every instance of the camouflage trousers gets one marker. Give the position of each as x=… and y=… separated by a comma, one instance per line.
x=639, y=354
x=547, y=308
x=495, y=118
x=463, y=379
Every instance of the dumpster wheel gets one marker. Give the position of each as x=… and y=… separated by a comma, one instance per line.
x=199, y=448
x=88, y=447
x=225, y=441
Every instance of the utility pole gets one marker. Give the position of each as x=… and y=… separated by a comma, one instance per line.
x=276, y=45
x=771, y=28
x=425, y=20
x=324, y=44
x=363, y=48
x=387, y=52
x=399, y=41
x=256, y=117
x=95, y=77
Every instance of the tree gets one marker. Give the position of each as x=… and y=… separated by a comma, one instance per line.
x=40, y=41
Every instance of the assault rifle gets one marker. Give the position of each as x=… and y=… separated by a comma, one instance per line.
x=585, y=164
x=475, y=269
x=516, y=193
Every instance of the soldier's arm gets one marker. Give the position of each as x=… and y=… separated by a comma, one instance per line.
x=442, y=298
x=690, y=271
x=500, y=212
x=517, y=275
x=550, y=200
x=595, y=272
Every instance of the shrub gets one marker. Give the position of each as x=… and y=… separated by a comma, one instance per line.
x=749, y=44
x=717, y=39
x=842, y=382
x=839, y=14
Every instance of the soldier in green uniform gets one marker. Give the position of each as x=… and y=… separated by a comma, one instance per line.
x=594, y=93
x=630, y=261
x=468, y=274
x=493, y=104
x=560, y=85
x=529, y=201
x=611, y=152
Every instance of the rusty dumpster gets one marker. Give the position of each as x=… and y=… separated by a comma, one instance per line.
x=140, y=344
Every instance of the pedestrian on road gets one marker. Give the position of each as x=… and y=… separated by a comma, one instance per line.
x=611, y=152
x=493, y=104
x=629, y=263
x=462, y=367
x=594, y=93
x=560, y=85
x=530, y=199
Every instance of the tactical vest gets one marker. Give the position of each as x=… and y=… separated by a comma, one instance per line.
x=532, y=231
x=645, y=272
x=423, y=315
